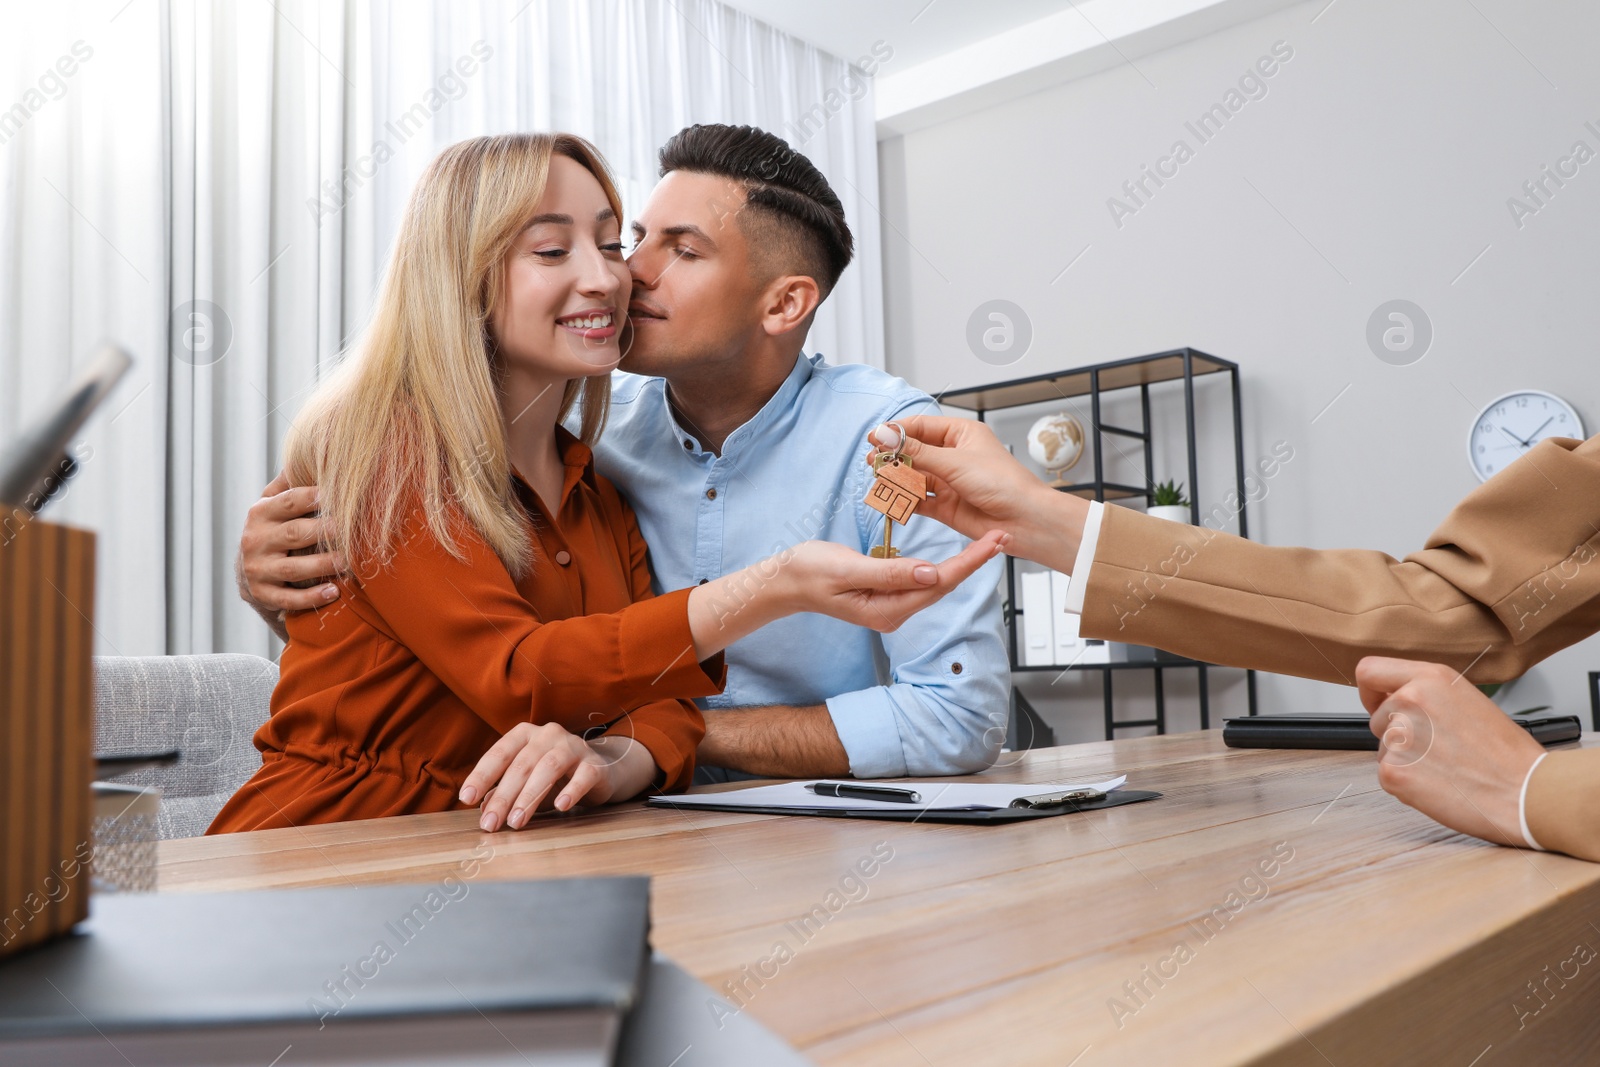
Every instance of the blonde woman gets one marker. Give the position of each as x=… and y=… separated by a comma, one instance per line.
x=496, y=641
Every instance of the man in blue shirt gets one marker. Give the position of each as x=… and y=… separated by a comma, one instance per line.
x=732, y=444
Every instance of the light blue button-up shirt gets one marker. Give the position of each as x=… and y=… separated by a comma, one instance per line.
x=930, y=698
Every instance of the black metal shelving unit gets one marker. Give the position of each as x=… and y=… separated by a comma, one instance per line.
x=1027, y=729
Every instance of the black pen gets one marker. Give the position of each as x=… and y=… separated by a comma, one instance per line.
x=865, y=792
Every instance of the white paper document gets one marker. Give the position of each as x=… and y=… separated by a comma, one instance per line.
x=935, y=796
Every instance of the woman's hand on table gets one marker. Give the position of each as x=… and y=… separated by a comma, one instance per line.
x=536, y=768
x=1446, y=749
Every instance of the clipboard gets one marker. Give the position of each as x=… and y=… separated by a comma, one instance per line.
x=947, y=802
x=906, y=813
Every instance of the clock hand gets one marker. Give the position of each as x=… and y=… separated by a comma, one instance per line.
x=1535, y=433
x=1520, y=442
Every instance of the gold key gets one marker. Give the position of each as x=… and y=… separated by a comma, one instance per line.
x=897, y=491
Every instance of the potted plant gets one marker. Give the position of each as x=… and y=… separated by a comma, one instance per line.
x=1168, y=502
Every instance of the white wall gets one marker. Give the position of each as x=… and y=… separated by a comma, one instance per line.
x=1377, y=166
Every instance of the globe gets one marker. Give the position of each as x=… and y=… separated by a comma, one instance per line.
x=1055, y=442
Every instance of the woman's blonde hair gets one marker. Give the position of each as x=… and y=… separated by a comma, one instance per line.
x=411, y=418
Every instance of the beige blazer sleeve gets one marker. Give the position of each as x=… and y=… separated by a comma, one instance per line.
x=1509, y=577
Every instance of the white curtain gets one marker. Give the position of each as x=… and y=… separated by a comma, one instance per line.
x=215, y=184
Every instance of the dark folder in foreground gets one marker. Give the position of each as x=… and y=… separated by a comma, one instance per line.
x=455, y=972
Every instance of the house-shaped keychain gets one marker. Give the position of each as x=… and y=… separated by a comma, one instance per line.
x=897, y=490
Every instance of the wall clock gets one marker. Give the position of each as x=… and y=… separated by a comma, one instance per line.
x=1509, y=425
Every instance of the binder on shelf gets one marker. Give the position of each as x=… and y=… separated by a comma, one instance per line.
x=1050, y=635
x=1038, y=621
x=1068, y=646
x=1096, y=651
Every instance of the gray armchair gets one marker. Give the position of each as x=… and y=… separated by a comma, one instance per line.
x=206, y=706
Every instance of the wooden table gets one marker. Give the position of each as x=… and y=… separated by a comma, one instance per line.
x=1378, y=937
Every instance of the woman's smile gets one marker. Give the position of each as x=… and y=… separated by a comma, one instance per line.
x=594, y=324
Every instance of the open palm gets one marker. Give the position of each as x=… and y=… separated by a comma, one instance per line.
x=881, y=594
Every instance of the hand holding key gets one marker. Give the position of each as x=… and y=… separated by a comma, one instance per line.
x=976, y=485
x=897, y=490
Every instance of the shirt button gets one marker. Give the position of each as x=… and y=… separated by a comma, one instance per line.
x=688, y=444
x=563, y=557
x=711, y=494
x=703, y=581
x=955, y=668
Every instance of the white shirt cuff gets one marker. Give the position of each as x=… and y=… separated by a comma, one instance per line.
x=1522, y=806
x=1085, y=560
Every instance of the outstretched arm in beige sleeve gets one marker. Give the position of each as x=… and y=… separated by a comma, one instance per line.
x=1510, y=576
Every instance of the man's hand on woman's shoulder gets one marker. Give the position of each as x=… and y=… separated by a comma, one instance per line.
x=272, y=578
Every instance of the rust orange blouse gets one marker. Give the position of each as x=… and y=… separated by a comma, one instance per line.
x=389, y=696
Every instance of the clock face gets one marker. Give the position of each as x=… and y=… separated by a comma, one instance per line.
x=1514, y=423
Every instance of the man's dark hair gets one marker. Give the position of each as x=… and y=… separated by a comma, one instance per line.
x=789, y=205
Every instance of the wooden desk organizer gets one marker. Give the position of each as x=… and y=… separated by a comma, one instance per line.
x=46, y=728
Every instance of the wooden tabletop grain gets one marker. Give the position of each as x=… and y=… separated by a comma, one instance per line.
x=1274, y=907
